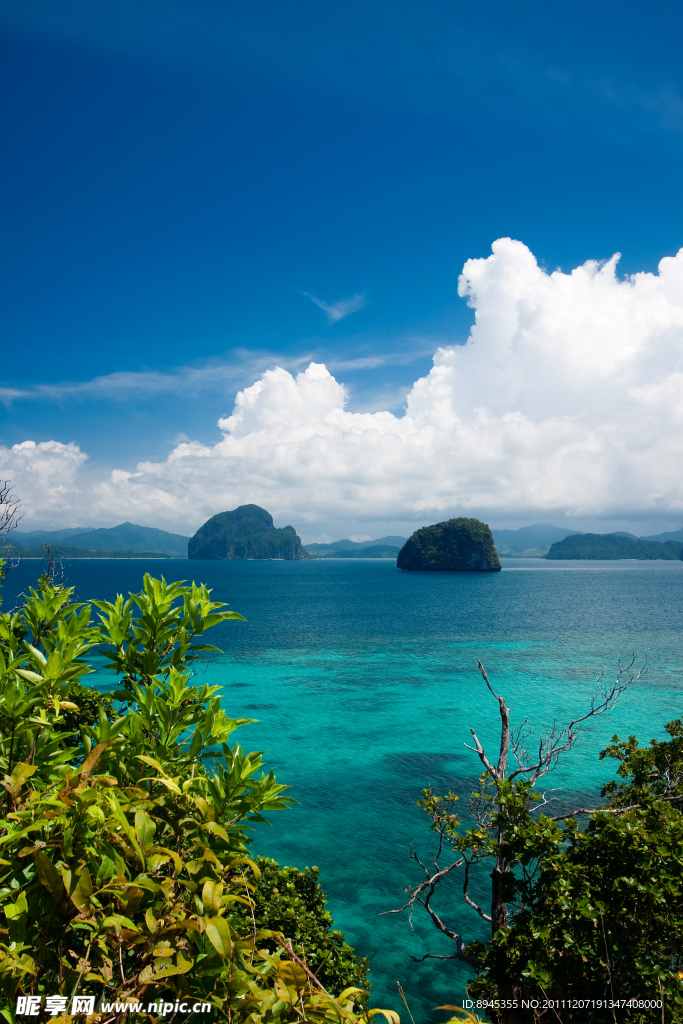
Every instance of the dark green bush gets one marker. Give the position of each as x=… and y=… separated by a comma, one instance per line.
x=290, y=901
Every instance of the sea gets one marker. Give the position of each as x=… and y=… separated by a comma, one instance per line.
x=363, y=683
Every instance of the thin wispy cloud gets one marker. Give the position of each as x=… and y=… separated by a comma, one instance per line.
x=338, y=310
x=127, y=385
x=192, y=381
x=400, y=358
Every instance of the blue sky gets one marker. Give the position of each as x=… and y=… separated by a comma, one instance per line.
x=180, y=178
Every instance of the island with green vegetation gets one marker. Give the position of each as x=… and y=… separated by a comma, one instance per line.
x=244, y=534
x=457, y=545
x=383, y=547
x=614, y=545
x=67, y=551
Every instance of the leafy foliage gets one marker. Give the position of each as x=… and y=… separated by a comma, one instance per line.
x=577, y=914
x=291, y=902
x=124, y=866
x=86, y=710
x=597, y=914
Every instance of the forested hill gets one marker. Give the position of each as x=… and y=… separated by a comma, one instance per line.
x=58, y=550
x=125, y=537
x=245, y=533
x=612, y=545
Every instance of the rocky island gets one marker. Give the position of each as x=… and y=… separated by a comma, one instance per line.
x=243, y=534
x=457, y=545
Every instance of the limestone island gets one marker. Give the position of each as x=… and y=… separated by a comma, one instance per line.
x=458, y=545
x=245, y=533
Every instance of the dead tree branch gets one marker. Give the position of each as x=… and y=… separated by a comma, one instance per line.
x=9, y=509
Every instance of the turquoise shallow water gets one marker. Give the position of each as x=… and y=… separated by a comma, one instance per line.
x=364, y=682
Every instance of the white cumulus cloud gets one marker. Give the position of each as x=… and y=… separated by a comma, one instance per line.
x=45, y=477
x=567, y=399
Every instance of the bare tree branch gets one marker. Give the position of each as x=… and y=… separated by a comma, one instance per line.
x=504, y=726
x=552, y=746
x=611, y=810
x=478, y=749
x=465, y=893
x=435, y=956
x=9, y=518
x=9, y=509
x=430, y=881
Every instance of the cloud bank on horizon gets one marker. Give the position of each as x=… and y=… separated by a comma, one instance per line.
x=567, y=398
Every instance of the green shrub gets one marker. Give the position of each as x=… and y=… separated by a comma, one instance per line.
x=290, y=901
x=124, y=852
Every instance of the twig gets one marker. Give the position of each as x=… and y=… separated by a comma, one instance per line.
x=310, y=974
x=610, y=810
x=400, y=992
x=609, y=969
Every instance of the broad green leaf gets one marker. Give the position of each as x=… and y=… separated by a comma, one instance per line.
x=246, y=860
x=236, y=899
x=155, y=861
x=292, y=974
x=218, y=932
x=165, y=968
x=217, y=830
x=118, y=921
x=79, y=888
x=55, y=666
x=37, y=656
x=169, y=783
x=48, y=874
x=21, y=773
x=151, y=761
x=145, y=827
x=211, y=896
x=172, y=854
x=31, y=677
x=16, y=909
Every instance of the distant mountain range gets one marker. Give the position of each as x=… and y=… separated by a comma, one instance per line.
x=123, y=539
x=536, y=542
x=129, y=540
x=529, y=541
x=661, y=537
x=383, y=547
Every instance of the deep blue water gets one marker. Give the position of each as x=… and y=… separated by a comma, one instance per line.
x=364, y=681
